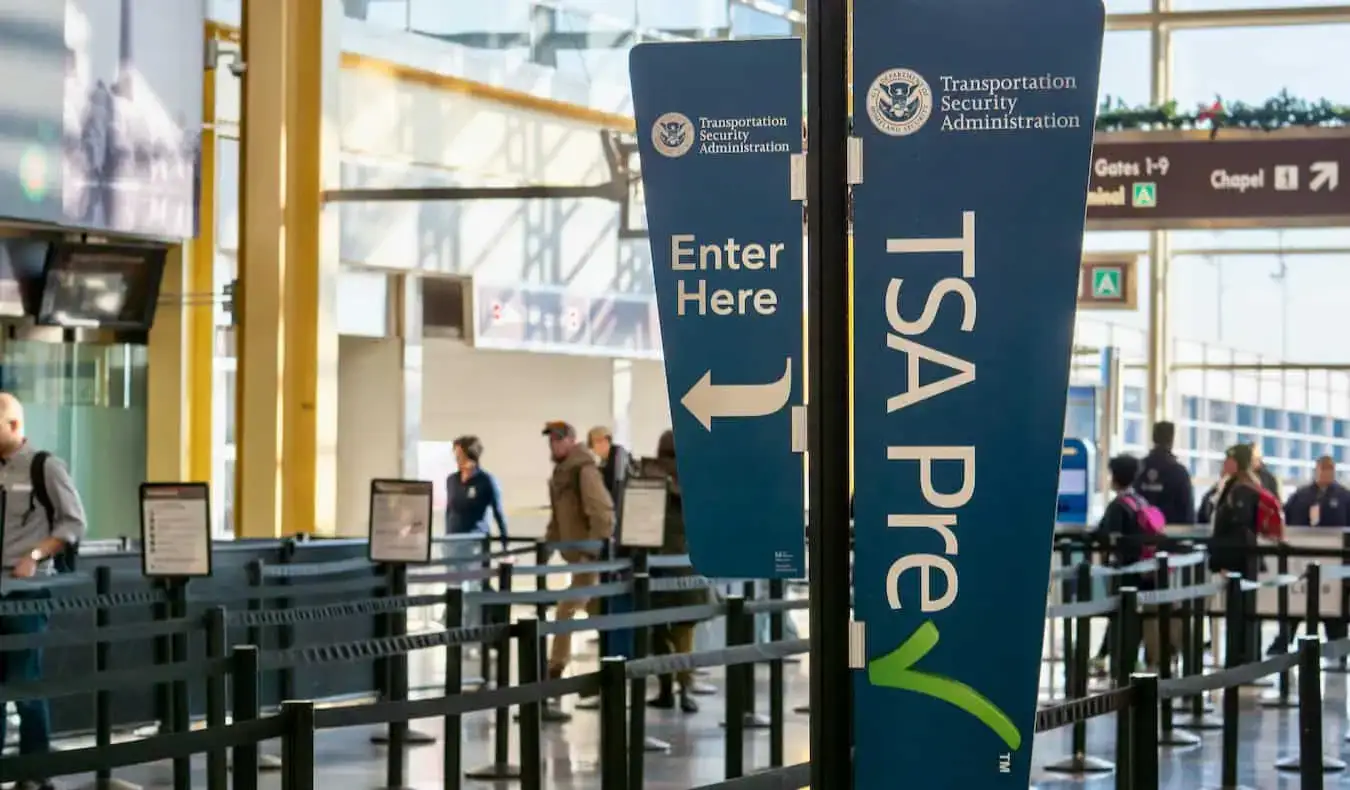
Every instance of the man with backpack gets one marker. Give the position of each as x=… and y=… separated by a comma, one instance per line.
x=44, y=523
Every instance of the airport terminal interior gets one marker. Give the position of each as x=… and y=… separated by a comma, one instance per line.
x=327, y=324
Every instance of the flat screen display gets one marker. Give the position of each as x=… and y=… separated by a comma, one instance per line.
x=100, y=286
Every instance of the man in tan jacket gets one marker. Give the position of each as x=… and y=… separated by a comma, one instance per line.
x=581, y=510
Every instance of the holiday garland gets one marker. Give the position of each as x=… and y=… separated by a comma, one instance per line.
x=1279, y=112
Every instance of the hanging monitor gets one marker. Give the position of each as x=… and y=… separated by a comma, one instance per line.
x=101, y=286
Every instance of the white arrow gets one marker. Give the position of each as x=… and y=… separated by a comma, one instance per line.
x=706, y=400
x=1326, y=174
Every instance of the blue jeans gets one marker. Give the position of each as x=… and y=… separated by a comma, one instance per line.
x=19, y=666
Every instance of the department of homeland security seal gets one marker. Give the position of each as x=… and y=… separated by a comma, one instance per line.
x=899, y=102
x=673, y=134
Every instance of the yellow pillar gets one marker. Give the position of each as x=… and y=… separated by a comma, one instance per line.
x=201, y=280
x=287, y=389
x=166, y=430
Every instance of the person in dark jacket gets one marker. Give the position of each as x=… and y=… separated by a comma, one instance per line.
x=1163, y=481
x=616, y=466
x=675, y=637
x=1322, y=503
x=1121, y=524
x=471, y=493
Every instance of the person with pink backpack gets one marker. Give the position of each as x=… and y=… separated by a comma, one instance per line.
x=1137, y=529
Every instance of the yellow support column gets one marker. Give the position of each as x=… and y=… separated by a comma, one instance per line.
x=286, y=408
x=309, y=468
x=200, y=317
x=166, y=429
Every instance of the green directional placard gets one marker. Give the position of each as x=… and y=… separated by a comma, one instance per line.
x=1144, y=195
x=1107, y=282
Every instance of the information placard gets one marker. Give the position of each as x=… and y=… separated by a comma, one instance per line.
x=400, y=521
x=644, y=514
x=175, y=530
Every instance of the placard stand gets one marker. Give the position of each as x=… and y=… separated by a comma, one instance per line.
x=399, y=534
x=176, y=548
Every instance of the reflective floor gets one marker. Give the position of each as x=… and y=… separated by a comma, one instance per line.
x=348, y=761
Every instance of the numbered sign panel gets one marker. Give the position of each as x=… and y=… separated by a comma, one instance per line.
x=176, y=530
x=400, y=521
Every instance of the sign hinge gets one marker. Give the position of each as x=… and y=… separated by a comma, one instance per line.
x=798, y=187
x=857, y=645
x=855, y=160
x=798, y=429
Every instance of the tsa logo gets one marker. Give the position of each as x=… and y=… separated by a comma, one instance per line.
x=673, y=134
x=899, y=102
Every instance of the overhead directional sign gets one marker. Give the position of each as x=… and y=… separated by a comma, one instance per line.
x=726, y=235
x=1187, y=179
x=967, y=233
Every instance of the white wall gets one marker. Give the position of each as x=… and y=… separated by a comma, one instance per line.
x=650, y=411
x=369, y=424
x=504, y=398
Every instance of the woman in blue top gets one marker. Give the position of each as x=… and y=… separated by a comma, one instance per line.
x=471, y=492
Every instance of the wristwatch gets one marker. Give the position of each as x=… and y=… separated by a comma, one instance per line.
x=36, y=555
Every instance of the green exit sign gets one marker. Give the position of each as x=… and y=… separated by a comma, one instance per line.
x=1107, y=282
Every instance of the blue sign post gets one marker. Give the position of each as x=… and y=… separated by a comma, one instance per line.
x=719, y=128
x=976, y=120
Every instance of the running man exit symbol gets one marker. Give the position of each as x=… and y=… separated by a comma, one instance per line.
x=1145, y=195
x=1105, y=283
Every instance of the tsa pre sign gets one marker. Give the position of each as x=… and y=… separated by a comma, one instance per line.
x=976, y=130
x=719, y=128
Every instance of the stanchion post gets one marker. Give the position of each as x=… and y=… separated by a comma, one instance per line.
x=395, y=758
x=1287, y=626
x=297, y=745
x=163, y=655
x=484, y=648
x=1234, y=647
x=541, y=557
x=1312, y=599
x=244, y=707
x=734, y=748
x=528, y=671
x=1143, y=734
x=217, y=770
x=1126, y=655
x=1310, y=709
x=1079, y=762
x=103, y=697
x=776, y=679
x=501, y=767
x=1169, y=736
x=286, y=634
x=452, y=737
x=182, y=766
x=614, y=756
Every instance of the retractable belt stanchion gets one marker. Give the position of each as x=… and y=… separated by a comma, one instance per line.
x=395, y=687
x=217, y=769
x=637, y=691
x=753, y=720
x=776, y=593
x=1067, y=594
x=501, y=768
x=254, y=636
x=1282, y=699
x=1127, y=633
x=484, y=648
x=529, y=671
x=244, y=707
x=1311, y=762
x=1235, y=648
x=1143, y=732
x=734, y=744
x=1169, y=736
x=180, y=707
x=297, y=745
x=614, y=755
x=1193, y=663
x=1079, y=762
x=452, y=735
x=103, y=779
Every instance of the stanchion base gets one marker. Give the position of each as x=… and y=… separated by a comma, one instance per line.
x=702, y=689
x=1081, y=764
x=1178, y=739
x=412, y=738
x=754, y=721
x=1276, y=702
x=805, y=710
x=1204, y=723
x=1330, y=765
x=110, y=784
x=651, y=744
x=495, y=771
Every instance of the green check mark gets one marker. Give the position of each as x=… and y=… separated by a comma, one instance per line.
x=894, y=671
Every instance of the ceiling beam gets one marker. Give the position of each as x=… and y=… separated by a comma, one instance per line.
x=1237, y=17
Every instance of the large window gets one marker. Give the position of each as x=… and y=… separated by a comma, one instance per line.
x=1125, y=74
x=1253, y=64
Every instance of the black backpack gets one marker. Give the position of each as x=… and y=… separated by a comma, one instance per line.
x=65, y=559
